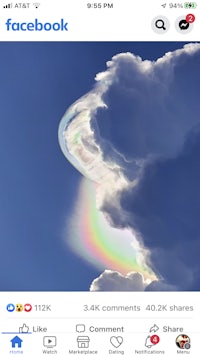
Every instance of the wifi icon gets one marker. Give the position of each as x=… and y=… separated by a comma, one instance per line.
x=36, y=5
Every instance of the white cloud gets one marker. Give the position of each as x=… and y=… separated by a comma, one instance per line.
x=115, y=281
x=132, y=282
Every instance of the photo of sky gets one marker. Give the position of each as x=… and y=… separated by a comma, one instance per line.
x=100, y=146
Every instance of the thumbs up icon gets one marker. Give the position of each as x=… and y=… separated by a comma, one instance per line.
x=24, y=329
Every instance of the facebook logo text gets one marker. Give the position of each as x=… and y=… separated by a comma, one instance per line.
x=36, y=26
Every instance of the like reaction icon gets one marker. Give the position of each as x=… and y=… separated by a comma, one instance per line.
x=10, y=308
x=24, y=329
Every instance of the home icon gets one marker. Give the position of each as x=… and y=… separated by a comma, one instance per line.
x=83, y=342
x=16, y=341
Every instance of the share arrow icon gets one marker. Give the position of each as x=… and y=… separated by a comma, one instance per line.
x=154, y=328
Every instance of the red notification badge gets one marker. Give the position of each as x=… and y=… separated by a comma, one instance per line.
x=190, y=18
x=154, y=339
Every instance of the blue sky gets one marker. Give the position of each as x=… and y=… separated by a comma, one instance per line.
x=38, y=82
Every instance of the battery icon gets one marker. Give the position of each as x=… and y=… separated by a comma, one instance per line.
x=190, y=5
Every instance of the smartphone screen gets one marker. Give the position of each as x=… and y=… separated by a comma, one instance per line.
x=99, y=179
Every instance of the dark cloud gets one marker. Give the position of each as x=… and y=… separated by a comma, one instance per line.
x=152, y=122
x=160, y=287
x=150, y=105
x=165, y=209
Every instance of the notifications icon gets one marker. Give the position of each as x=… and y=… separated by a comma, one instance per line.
x=152, y=340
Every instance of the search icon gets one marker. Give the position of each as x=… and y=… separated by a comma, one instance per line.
x=160, y=24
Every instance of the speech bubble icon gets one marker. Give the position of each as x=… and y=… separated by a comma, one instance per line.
x=80, y=328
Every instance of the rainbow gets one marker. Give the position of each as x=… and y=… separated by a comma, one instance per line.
x=91, y=235
x=100, y=244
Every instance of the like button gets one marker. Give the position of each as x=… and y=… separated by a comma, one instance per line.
x=24, y=329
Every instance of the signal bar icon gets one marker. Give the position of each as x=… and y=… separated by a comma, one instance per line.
x=8, y=6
